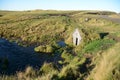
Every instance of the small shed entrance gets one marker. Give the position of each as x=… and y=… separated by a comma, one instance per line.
x=76, y=41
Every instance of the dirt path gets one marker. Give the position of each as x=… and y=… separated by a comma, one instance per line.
x=117, y=20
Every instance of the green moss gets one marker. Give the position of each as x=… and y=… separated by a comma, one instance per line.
x=49, y=49
x=47, y=68
x=44, y=49
x=67, y=56
x=97, y=45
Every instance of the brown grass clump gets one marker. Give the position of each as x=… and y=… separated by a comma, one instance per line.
x=108, y=67
x=28, y=74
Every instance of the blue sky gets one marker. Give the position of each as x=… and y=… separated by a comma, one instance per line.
x=110, y=5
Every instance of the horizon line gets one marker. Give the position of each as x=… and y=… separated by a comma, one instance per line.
x=58, y=10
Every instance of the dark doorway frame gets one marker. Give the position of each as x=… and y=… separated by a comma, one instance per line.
x=76, y=43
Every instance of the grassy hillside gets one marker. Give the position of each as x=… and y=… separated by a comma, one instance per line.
x=100, y=31
x=108, y=68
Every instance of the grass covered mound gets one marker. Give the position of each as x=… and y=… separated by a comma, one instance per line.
x=45, y=30
x=45, y=49
x=108, y=66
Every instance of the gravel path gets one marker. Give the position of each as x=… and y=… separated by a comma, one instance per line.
x=117, y=20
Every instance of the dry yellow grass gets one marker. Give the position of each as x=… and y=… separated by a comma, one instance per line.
x=107, y=64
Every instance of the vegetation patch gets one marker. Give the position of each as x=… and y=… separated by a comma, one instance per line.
x=51, y=32
x=44, y=49
x=98, y=45
x=108, y=66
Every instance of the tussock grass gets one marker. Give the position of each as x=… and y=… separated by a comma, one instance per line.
x=44, y=29
x=108, y=68
x=97, y=45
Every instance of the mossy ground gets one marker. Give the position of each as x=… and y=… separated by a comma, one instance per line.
x=44, y=29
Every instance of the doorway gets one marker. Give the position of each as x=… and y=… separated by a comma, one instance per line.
x=76, y=43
